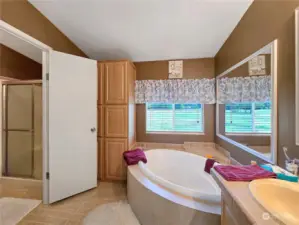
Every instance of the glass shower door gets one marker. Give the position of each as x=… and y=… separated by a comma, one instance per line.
x=19, y=130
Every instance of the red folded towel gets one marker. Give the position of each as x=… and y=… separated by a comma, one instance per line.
x=209, y=165
x=134, y=156
x=243, y=173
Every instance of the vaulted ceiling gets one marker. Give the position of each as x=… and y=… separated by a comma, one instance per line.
x=145, y=30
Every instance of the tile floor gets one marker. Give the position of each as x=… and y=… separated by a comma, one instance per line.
x=67, y=212
x=20, y=188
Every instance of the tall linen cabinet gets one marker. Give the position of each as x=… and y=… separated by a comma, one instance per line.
x=116, y=117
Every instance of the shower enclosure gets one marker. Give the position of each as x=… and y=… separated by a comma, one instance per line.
x=22, y=129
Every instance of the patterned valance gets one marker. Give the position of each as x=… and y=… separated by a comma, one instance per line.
x=175, y=91
x=244, y=89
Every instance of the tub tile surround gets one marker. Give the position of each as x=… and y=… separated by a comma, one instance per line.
x=198, y=148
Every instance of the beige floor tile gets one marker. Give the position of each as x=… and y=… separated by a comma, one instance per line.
x=31, y=223
x=70, y=211
x=20, y=188
x=46, y=219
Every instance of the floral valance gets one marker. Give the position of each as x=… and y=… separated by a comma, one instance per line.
x=175, y=91
x=244, y=89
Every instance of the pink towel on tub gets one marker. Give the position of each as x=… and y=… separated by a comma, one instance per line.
x=134, y=156
x=243, y=173
x=209, y=165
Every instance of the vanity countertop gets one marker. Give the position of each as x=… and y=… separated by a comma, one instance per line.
x=240, y=193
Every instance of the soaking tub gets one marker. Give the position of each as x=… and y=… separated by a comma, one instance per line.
x=173, y=182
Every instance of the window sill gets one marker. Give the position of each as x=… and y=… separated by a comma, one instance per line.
x=176, y=133
x=248, y=134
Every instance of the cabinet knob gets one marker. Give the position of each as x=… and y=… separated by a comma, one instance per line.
x=93, y=130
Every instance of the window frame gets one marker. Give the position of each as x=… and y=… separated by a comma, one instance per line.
x=253, y=125
x=176, y=132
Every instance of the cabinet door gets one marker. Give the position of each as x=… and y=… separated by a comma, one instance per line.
x=116, y=83
x=114, y=164
x=226, y=216
x=116, y=121
x=101, y=83
x=101, y=121
x=101, y=159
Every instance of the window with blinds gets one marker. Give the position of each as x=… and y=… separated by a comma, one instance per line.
x=248, y=118
x=182, y=118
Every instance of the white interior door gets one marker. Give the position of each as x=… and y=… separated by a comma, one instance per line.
x=72, y=149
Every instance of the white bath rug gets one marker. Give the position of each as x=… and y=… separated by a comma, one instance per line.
x=13, y=210
x=116, y=213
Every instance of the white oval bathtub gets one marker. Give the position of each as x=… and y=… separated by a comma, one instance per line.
x=181, y=172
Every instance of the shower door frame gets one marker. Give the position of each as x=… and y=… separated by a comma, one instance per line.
x=45, y=51
x=5, y=123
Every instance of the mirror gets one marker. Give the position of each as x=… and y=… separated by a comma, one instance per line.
x=247, y=104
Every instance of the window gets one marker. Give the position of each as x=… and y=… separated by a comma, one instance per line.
x=248, y=118
x=181, y=118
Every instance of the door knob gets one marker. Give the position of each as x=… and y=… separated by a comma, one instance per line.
x=93, y=129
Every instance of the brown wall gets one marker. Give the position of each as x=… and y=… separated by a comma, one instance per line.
x=264, y=22
x=17, y=66
x=22, y=15
x=192, y=68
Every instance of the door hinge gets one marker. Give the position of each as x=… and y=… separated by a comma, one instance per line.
x=48, y=176
x=47, y=76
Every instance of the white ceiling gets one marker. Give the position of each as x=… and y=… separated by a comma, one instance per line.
x=145, y=30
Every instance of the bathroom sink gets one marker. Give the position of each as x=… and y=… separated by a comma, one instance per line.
x=279, y=198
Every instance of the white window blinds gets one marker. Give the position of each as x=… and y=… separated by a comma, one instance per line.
x=248, y=118
x=174, y=118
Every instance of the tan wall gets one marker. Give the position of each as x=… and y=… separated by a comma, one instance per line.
x=264, y=22
x=17, y=66
x=192, y=68
x=22, y=15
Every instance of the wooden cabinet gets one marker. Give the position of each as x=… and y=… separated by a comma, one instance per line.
x=114, y=163
x=116, y=121
x=101, y=121
x=116, y=116
x=101, y=155
x=101, y=84
x=231, y=212
x=116, y=83
x=226, y=216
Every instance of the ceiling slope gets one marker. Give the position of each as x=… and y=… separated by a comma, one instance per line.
x=145, y=30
